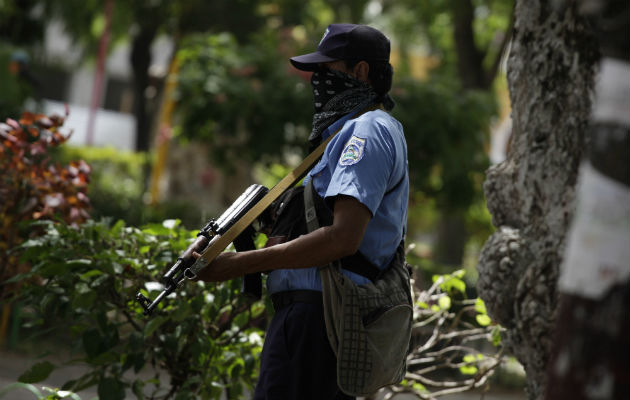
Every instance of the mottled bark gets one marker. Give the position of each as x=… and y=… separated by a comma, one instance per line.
x=531, y=194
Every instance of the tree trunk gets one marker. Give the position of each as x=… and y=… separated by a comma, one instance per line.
x=469, y=58
x=531, y=194
x=591, y=349
x=140, y=63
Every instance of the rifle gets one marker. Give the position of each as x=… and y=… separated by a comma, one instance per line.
x=207, y=236
x=235, y=228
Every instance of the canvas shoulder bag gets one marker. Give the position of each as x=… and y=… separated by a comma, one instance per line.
x=368, y=326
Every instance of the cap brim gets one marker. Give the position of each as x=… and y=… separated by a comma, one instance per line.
x=308, y=62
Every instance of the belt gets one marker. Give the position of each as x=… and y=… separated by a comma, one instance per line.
x=283, y=299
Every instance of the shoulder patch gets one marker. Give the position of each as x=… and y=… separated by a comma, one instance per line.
x=353, y=152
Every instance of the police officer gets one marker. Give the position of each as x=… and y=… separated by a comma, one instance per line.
x=363, y=181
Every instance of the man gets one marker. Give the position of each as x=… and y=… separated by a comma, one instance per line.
x=362, y=179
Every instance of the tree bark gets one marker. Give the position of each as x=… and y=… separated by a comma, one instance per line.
x=589, y=359
x=531, y=194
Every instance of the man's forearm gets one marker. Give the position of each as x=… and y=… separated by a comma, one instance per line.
x=311, y=250
x=317, y=248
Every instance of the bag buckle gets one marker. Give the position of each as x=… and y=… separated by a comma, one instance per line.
x=310, y=214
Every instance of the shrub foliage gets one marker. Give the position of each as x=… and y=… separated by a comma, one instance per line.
x=198, y=344
x=34, y=188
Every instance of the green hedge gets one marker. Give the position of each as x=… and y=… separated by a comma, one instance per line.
x=118, y=187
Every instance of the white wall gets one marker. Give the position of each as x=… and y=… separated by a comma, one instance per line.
x=111, y=128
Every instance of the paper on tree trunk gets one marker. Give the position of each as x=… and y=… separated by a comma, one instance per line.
x=598, y=248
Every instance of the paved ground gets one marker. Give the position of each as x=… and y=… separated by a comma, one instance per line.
x=13, y=364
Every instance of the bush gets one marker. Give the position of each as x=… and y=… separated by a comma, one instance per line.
x=117, y=187
x=83, y=285
x=34, y=188
x=206, y=340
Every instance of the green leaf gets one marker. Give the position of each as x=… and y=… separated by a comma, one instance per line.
x=153, y=325
x=483, y=320
x=84, y=301
x=444, y=302
x=18, y=278
x=32, y=243
x=54, y=269
x=91, y=273
x=241, y=320
x=423, y=304
x=111, y=389
x=469, y=358
x=79, y=262
x=452, y=282
x=171, y=223
x=37, y=373
x=460, y=273
x=480, y=306
x=137, y=387
x=496, y=335
x=46, y=301
x=82, y=288
x=468, y=370
x=455, y=284
x=418, y=387
x=92, y=343
x=81, y=383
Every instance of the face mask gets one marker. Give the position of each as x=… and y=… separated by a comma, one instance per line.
x=328, y=84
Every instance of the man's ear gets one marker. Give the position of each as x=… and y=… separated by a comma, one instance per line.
x=361, y=70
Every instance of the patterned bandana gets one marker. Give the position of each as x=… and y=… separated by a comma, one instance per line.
x=336, y=94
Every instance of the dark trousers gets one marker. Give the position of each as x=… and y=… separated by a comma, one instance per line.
x=297, y=362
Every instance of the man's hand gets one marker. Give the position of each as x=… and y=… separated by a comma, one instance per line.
x=222, y=268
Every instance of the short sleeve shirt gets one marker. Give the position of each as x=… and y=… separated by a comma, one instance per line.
x=367, y=160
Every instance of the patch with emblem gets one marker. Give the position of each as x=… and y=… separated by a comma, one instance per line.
x=353, y=152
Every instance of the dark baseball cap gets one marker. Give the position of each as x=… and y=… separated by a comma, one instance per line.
x=346, y=42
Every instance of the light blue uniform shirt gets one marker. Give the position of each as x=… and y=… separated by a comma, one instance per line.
x=365, y=160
